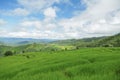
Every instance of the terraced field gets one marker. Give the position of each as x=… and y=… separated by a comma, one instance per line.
x=82, y=64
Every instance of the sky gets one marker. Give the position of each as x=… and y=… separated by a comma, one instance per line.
x=59, y=19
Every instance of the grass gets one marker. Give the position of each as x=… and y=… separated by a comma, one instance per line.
x=82, y=64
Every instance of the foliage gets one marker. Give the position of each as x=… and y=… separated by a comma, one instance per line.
x=109, y=41
x=81, y=64
x=8, y=53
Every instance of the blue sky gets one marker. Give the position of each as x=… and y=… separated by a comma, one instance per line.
x=66, y=9
x=59, y=19
x=8, y=4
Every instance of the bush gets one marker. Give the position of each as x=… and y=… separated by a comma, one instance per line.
x=23, y=51
x=66, y=49
x=107, y=45
x=77, y=47
x=8, y=53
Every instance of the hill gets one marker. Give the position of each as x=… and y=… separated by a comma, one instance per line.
x=29, y=46
x=4, y=48
x=111, y=41
x=82, y=64
x=107, y=41
x=23, y=41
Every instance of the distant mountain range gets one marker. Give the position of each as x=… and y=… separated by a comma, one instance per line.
x=106, y=41
x=29, y=45
x=21, y=41
x=86, y=42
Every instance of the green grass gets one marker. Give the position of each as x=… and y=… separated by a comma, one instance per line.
x=82, y=64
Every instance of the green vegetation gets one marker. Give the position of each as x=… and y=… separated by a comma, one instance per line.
x=71, y=44
x=34, y=48
x=81, y=64
x=81, y=59
x=8, y=53
x=4, y=48
x=109, y=41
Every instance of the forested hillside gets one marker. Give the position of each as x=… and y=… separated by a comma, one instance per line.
x=108, y=41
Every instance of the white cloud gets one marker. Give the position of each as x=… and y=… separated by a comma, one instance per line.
x=37, y=5
x=101, y=18
x=28, y=24
x=103, y=9
x=19, y=12
x=30, y=7
x=50, y=12
x=15, y=12
x=37, y=25
x=2, y=22
x=42, y=6
x=100, y=8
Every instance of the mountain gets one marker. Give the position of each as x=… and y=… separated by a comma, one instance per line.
x=37, y=45
x=21, y=41
x=76, y=41
x=106, y=41
x=109, y=41
x=1, y=43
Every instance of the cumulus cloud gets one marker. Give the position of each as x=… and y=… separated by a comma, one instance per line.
x=27, y=7
x=15, y=12
x=38, y=4
x=37, y=25
x=50, y=12
x=42, y=6
x=19, y=12
x=105, y=11
x=100, y=18
x=2, y=22
x=28, y=24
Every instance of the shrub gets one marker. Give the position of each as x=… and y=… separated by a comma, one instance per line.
x=8, y=53
x=107, y=45
x=23, y=51
x=77, y=47
x=66, y=49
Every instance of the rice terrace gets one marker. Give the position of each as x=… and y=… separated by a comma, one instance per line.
x=60, y=40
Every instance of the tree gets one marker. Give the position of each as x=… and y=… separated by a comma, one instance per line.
x=53, y=50
x=77, y=47
x=23, y=51
x=107, y=45
x=8, y=53
x=118, y=43
x=66, y=49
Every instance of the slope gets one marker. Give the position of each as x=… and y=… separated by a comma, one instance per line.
x=83, y=64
